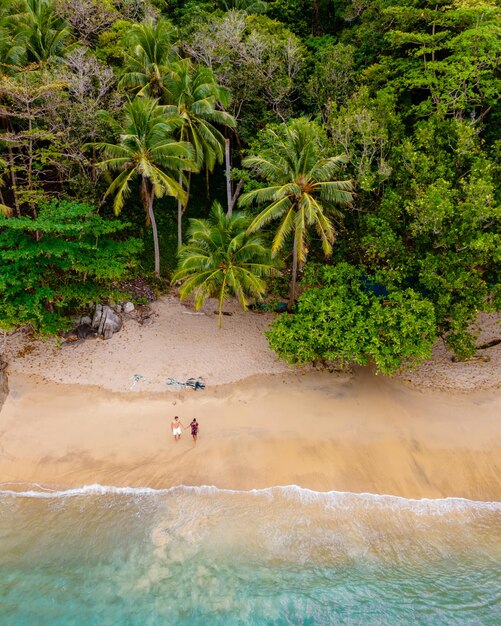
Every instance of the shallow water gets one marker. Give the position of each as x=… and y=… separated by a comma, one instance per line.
x=200, y=555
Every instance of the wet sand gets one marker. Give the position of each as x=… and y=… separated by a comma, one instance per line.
x=320, y=431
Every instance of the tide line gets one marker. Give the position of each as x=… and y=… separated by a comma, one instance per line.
x=295, y=492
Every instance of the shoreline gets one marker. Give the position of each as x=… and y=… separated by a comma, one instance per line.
x=44, y=491
x=320, y=431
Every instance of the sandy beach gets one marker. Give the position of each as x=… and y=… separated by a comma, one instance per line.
x=177, y=343
x=320, y=431
x=100, y=412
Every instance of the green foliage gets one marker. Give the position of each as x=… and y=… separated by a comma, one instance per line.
x=340, y=318
x=65, y=259
x=301, y=190
x=146, y=150
x=448, y=52
x=407, y=91
x=222, y=260
x=149, y=49
x=438, y=229
x=193, y=94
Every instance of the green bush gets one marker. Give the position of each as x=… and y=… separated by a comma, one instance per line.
x=341, y=318
x=66, y=258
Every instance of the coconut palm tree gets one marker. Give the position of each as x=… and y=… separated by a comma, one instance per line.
x=12, y=50
x=302, y=191
x=193, y=94
x=146, y=150
x=150, y=50
x=44, y=34
x=221, y=259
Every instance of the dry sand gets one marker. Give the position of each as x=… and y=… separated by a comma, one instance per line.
x=320, y=431
x=179, y=344
x=440, y=372
x=277, y=426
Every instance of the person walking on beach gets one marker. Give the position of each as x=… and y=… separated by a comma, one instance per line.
x=194, y=429
x=177, y=428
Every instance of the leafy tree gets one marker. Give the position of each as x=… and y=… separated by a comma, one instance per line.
x=31, y=146
x=87, y=18
x=437, y=227
x=259, y=60
x=193, y=95
x=66, y=258
x=342, y=317
x=146, y=150
x=333, y=78
x=248, y=6
x=367, y=128
x=446, y=54
x=302, y=192
x=222, y=259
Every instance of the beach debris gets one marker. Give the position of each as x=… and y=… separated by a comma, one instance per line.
x=106, y=321
x=489, y=344
x=143, y=315
x=135, y=379
x=138, y=289
x=193, y=383
x=127, y=307
x=72, y=341
x=474, y=359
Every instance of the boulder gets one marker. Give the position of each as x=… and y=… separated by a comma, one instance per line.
x=106, y=321
x=128, y=307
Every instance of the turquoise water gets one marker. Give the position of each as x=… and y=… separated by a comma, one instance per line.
x=203, y=556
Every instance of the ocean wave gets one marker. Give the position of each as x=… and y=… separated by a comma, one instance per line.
x=302, y=494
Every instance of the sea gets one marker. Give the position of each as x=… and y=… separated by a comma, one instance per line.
x=202, y=556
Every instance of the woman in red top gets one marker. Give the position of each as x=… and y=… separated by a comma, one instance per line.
x=194, y=429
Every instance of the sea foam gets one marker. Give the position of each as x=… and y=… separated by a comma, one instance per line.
x=294, y=492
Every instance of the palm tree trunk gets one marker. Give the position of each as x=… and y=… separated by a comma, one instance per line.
x=292, y=292
x=148, y=199
x=228, y=177
x=221, y=300
x=180, y=216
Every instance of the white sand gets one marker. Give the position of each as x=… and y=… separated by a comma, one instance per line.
x=179, y=344
x=440, y=372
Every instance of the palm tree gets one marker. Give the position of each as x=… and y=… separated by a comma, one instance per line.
x=44, y=34
x=146, y=150
x=193, y=94
x=302, y=191
x=12, y=50
x=222, y=259
x=151, y=50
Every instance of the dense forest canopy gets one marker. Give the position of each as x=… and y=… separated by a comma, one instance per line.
x=357, y=140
